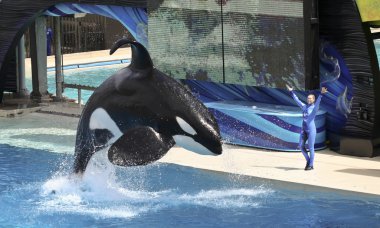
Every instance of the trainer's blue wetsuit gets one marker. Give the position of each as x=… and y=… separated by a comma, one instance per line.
x=309, y=130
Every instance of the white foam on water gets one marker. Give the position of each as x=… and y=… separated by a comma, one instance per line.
x=226, y=198
x=99, y=194
x=89, y=196
x=38, y=138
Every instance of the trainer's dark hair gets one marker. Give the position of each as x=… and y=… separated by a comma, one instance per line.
x=312, y=95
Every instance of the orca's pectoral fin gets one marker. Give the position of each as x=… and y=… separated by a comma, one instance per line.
x=139, y=146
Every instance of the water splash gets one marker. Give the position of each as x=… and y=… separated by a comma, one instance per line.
x=97, y=193
x=224, y=198
x=100, y=194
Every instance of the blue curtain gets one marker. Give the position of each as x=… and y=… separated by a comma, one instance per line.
x=134, y=19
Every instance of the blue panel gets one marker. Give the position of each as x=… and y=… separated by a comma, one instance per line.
x=134, y=19
x=258, y=125
x=334, y=75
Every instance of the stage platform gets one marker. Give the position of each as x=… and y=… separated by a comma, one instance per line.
x=274, y=127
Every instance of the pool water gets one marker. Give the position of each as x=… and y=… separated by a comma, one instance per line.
x=36, y=157
x=162, y=195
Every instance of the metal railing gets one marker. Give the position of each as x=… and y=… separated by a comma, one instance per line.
x=79, y=88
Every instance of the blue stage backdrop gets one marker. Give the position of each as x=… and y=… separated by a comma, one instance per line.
x=334, y=75
x=225, y=100
x=134, y=19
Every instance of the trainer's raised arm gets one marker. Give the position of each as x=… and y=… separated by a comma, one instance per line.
x=295, y=98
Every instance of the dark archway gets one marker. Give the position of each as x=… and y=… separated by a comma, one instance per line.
x=17, y=16
x=341, y=25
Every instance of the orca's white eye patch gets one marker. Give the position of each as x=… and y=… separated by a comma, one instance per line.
x=185, y=126
x=101, y=120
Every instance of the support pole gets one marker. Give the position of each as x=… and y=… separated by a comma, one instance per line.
x=58, y=58
x=22, y=90
x=38, y=52
x=79, y=97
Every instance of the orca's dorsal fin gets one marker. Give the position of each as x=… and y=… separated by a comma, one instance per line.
x=140, y=56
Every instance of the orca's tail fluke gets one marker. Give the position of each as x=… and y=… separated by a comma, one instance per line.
x=140, y=56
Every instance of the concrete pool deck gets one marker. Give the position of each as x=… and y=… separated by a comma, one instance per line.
x=332, y=170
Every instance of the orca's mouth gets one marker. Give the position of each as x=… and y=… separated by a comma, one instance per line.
x=197, y=147
x=216, y=149
x=212, y=144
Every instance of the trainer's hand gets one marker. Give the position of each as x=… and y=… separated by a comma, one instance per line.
x=324, y=90
x=289, y=88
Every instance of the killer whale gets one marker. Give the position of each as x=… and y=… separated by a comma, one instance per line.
x=139, y=113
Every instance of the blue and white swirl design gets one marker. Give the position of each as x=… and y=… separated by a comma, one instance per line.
x=261, y=125
x=134, y=19
x=284, y=132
